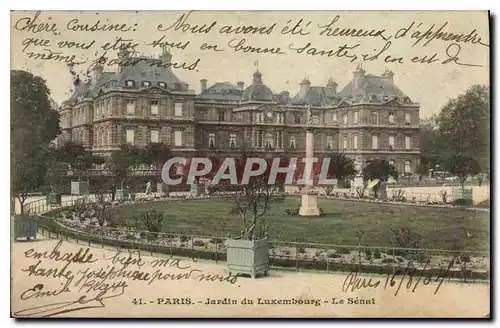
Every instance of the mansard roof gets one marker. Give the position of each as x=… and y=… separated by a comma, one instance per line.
x=222, y=91
x=316, y=96
x=372, y=85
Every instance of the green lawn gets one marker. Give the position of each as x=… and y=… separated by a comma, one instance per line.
x=440, y=227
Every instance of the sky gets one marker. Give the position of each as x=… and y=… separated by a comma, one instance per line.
x=429, y=84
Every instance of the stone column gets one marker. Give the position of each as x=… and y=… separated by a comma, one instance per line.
x=309, y=205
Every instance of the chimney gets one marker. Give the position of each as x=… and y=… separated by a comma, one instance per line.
x=96, y=73
x=358, y=77
x=304, y=88
x=240, y=85
x=203, y=85
x=123, y=56
x=388, y=74
x=332, y=85
x=166, y=58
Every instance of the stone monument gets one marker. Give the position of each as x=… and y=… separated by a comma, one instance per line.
x=309, y=205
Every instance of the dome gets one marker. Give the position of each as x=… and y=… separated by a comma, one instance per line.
x=258, y=91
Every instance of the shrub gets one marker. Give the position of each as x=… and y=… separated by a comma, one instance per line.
x=343, y=250
x=334, y=255
x=368, y=252
x=465, y=258
x=388, y=260
x=183, y=238
x=301, y=250
x=484, y=204
x=216, y=241
x=463, y=202
x=377, y=255
x=199, y=243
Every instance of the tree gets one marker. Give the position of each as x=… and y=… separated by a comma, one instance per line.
x=341, y=167
x=56, y=171
x=78, y=158
x=463, y=166
x=34, y=124
x=254, y=199
x=122, y=161
x=464, y=124
x=379, y=169
x=432, y=146
x=423, y=168
x=156, y=154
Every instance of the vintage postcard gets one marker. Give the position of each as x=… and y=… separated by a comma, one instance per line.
x=250, y=164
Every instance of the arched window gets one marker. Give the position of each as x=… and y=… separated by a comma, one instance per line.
x=268, y=140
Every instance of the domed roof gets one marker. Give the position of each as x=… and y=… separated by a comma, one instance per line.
x=258, y=91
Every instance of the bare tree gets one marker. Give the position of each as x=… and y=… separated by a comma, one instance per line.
x=101, y=205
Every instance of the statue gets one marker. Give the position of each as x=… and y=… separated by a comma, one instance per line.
x=148, y=188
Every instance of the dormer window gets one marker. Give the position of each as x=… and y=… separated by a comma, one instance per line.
x=129, y=83
x=146, y=84
x=161, y=84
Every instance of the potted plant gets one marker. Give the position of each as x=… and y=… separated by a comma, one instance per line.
x=248, y=253
x=462, y=166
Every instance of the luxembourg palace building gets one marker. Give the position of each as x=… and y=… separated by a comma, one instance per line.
x=369, y=118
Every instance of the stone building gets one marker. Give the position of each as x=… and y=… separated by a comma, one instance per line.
x=370, y=118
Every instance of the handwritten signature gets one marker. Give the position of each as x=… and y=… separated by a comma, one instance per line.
x=409, y=278
x=81, y=303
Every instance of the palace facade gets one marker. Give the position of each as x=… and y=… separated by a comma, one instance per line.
x=370, y=118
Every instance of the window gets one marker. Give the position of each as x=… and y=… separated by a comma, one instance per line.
x=232, y=140
x=155, y=136
x=154, y=107
x=103, y=138
x=161, y=84
x=374, y=118
x=407, y=167
x=268, y=140
x=211, y=140
x=391, y=142
x=408, y=142
x=293, y=142
x=221, y=115
x=109, y=137
x=279, y=139
x=391, y=162
x=130, y=136
x=407, y=118
x=355, y=142
x=329, y=142
x=355, y=118
x=345, y=118
x=391, y=118
x=146, y=84
x=345, y=142
x=129, y=83
x=178, y=138
x=334, y=117
x=178, y=109
x=98, y=138
x=315, y=119
x=130, y=107
x=374, y=142
x=297, y=119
